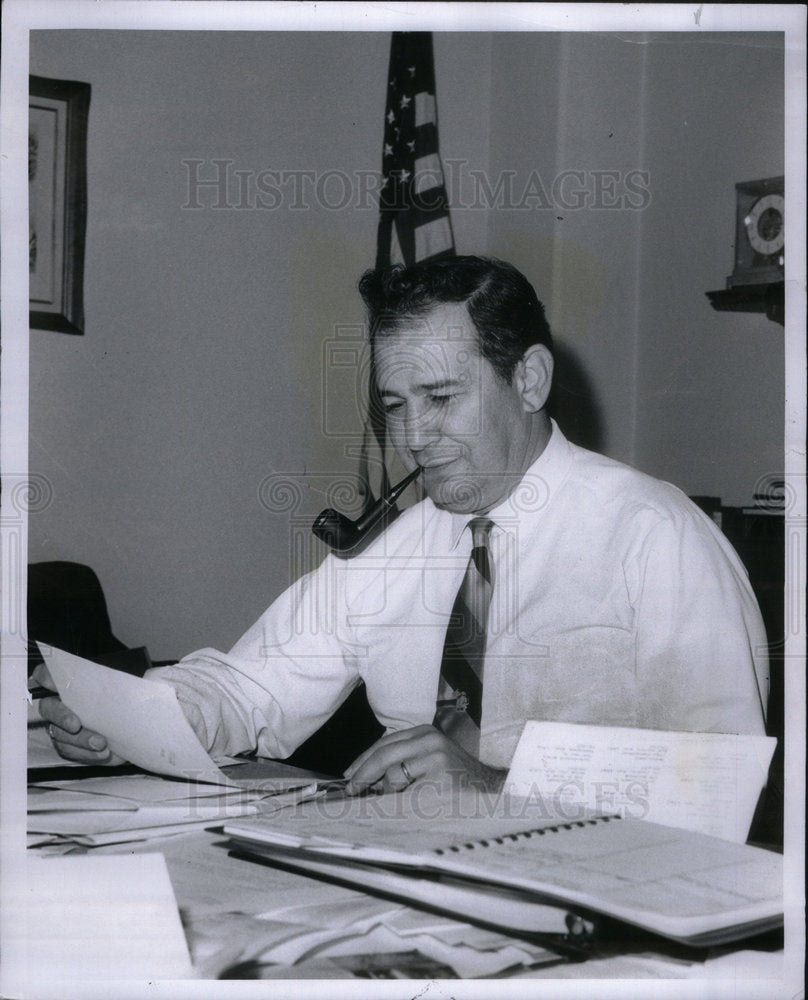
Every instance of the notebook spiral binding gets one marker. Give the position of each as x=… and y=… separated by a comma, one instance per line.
x=540, y=831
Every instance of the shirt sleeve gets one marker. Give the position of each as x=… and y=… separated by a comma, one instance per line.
x=701, y=649
x=281, y=681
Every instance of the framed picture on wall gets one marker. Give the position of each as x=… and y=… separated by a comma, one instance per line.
x=57, y=202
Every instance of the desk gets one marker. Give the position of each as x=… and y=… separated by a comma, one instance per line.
x=243, y=919
x=220, y=895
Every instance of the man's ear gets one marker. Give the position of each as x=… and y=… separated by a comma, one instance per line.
x=533, y=377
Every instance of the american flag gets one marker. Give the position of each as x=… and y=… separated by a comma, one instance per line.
x=414, y=222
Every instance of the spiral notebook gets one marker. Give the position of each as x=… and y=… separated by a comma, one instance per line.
x=471, y=855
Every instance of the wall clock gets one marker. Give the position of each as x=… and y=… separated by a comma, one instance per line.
x=759, y=233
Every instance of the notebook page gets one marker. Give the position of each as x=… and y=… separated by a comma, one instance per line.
x=406, y=827
x=673, y=881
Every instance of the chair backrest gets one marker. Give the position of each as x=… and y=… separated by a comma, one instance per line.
x=67, y=609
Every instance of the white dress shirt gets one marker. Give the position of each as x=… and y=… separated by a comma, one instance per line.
x=616, y=601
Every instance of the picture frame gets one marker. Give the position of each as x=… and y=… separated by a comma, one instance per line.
x=57, y=202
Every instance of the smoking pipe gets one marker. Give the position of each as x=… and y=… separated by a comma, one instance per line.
x=342, y=534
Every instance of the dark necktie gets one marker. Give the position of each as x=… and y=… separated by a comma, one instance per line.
x=464, y=648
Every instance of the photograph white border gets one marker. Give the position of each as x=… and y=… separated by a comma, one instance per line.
x=22, y=16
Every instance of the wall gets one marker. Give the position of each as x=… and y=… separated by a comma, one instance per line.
x=653, y=375
x=711, y=384
x=200, y=373
x=579, y=117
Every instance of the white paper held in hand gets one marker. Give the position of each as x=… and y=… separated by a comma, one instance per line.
x=141, y=719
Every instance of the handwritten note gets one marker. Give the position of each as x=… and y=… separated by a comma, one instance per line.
x=708, y=782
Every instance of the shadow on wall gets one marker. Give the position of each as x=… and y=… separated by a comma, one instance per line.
x=573, y=400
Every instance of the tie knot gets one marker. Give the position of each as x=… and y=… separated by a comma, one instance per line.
x=480, y=530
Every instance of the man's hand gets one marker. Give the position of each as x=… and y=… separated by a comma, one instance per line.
x=74, y=742
x=70, y=738
x=398, y=759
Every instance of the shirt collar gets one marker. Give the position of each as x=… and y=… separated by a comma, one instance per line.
x=459, y=524
x=534, y=492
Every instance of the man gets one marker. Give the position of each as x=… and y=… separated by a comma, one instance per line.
x=613, y=599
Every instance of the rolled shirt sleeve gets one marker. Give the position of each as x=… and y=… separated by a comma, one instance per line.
x=281, y=681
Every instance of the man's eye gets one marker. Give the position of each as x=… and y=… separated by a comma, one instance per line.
x=392, y=407
x=442, y=400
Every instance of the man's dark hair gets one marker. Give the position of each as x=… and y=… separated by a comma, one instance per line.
x=504, y=308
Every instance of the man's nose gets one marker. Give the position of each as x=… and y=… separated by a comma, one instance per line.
x=420, y=431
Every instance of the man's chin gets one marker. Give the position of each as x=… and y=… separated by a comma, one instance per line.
x=458, y=495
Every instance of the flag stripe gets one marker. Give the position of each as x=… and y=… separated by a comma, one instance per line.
x=428, y=173
x=433, y=238
x=426, y=139
x=425, y=110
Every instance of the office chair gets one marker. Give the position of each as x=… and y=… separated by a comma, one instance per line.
x=67, y=609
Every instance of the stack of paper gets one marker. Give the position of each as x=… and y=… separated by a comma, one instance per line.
x=121, y=808
x=351, y=936
x=118, y=808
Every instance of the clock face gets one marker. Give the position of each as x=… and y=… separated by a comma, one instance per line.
x=765, y=224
